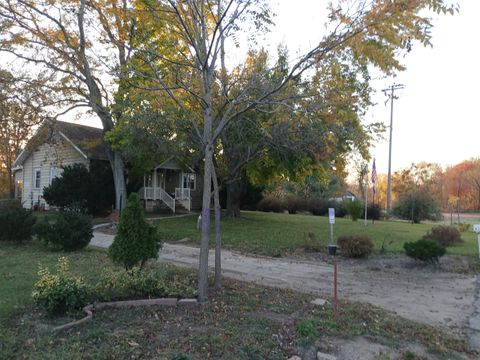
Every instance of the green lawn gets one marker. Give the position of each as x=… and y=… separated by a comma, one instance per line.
x=240, y=323
x=276, y=234
x=19, y=266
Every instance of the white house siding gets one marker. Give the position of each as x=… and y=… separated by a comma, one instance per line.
x=44, y=157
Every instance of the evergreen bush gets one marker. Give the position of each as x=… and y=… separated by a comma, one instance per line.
x=424, y=250
x=82, y=189
x=68, y=231
x=373, y=211
x=15, y=222
x=136, y=241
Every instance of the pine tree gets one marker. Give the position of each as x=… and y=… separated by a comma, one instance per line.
x=136, y=241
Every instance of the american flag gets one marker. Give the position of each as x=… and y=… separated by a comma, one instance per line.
x=374, y=177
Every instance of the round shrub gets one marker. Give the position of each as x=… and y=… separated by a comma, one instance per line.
x=60, y=293
x=68, y=231
x=295, y=204
x=15, y=222
x=424, y=250
x=271, y=204
x=355, y=246
x=136, y=241
x=318, y=206
x=444, y=235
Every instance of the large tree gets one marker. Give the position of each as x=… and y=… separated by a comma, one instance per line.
x=369, y=32
x=21, y=109
x=83, y=47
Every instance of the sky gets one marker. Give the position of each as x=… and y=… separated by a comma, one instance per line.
x=435, y=117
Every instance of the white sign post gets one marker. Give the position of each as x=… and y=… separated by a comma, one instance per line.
x=332, y=250
x=331, y=221
x=476, y=228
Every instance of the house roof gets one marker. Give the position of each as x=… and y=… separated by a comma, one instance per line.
x=87, y=140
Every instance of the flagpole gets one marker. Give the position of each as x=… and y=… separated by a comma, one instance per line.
x=366, y=200
x=374, y=186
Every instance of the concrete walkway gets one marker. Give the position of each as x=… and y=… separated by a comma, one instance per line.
x=436, y=298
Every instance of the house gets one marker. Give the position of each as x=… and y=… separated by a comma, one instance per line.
x=345, y=196
x=172, y=184
x=56, y=144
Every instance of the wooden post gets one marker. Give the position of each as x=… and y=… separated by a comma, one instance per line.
x=335, y=298
x=155, y=184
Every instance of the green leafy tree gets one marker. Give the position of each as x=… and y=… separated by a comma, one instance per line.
x=366, y=33
x=417, y=206
x=136, y=241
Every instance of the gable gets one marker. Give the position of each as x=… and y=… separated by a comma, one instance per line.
x=86, y=140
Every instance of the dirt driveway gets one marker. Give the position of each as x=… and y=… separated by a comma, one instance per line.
x=423, y=294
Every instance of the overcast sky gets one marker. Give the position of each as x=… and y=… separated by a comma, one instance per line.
x=436, y=117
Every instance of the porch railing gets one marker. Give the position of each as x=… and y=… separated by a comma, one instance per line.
x=182, y=195
x=150, y=193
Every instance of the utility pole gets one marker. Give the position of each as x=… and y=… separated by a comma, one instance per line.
x=390, y=92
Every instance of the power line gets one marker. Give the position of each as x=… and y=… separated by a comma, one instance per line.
x=390, y=92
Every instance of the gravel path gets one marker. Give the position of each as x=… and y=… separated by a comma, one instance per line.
x=436, y=298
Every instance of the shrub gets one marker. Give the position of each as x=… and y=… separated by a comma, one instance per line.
x=424, y=250
x=444, y=235
x=271, y=204
x=318, y=206
x=417, y=206
x=340, y=208
x=60, y=293
x=355, y=246
x=136, y=241
x=354, y=209
x=80, y=189
x=15, y=222
x=294, y=204
x=373, y=211
x=463, y=227
x=134, y=283
x=68, y=231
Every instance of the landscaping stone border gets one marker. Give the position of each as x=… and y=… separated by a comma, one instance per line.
x=90, y=309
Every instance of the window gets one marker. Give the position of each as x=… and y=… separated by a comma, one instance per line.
x=37, y=178
x=188, y=181
x=54, y=173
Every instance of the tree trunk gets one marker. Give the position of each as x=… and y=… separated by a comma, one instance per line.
x=118, y=170
x=218, y=239
x=12, y=184
x=207, y=193
x=205, y=238
x=234, y=196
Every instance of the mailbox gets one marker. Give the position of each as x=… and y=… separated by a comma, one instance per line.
x=332, y=250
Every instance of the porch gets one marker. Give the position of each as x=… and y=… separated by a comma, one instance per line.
x=169, y=186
